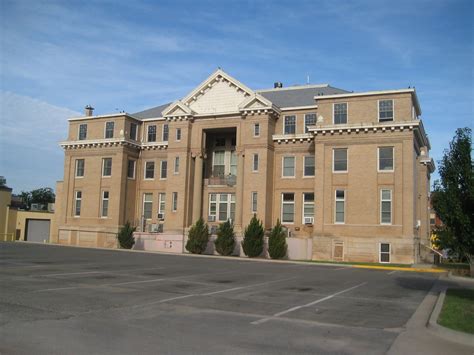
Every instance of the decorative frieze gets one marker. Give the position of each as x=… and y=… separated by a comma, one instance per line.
x=110, y=143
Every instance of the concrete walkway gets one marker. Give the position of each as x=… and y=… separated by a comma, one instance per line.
x=418, y=338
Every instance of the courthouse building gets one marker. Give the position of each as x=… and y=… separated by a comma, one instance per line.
x=347, y=173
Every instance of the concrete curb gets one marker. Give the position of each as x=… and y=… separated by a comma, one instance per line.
x=244, y=259
x=446, y=333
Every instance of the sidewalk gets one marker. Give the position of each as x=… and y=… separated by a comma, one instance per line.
x=418, y=339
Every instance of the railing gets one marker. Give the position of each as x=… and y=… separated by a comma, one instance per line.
x=7, y=237
x=229, y=180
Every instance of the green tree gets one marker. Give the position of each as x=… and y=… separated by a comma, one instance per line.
x=225, y=241
x=453, y=198
x=198, y=237
x=125, y=236
x=253, y=238
x=41, y=196
x=26, y=199
x=277, y=242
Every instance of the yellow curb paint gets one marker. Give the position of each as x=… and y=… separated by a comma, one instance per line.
x=411, y=269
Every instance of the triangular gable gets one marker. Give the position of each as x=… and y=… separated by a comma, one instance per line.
x=177, y=108
x=255, y=102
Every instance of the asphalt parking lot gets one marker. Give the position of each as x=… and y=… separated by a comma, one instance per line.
x=64, y=300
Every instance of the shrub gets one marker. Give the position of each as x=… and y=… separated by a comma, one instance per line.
x=125, y=236
x=225, y=241
x=253, y=238
x=277, y=242
x=198, y=237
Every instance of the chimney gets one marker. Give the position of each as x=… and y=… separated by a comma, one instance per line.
x=89, y=110
x=277, y=85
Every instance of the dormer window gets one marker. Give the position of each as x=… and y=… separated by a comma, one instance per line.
x=385, y=110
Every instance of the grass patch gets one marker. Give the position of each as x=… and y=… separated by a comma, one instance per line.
x=458, y=269
x=458, y=310
x=356, y=263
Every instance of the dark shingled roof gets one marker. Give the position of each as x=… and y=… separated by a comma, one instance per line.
x=298, y=95
x=151, y=112
x=283, y=97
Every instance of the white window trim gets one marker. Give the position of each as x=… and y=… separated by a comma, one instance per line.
x=253, y=162
x=378, y=159
x=209, y=204
x=79, y=132
x=178, y=160
x=134, y=169
x=143, y=205
x=154, y=169
x=334, y=115
x=347, y=161
x=102, y=204
x=103, y=167
x=148, y=132
x=393, y=110
x=296, y=125
x=304, y=203
x=174, y=201
x=335, y=205
x=294, y=210
x=161, y=169
x=105, y=129
x=252, y=195
x=163, y=132
x=283, y=166
x=218, y=201
x=389, y=253
x=391, y=207
x=304, y=165
x=259, y=127
x=304, y=118
x=75, y=169
x=160, y=195
x=75, y=204
x=176, y=134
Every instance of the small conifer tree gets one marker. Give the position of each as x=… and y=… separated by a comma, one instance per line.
x=125, y=236
x=277, y=242
x=253, y=238
x=225, y=241
x=198, y=237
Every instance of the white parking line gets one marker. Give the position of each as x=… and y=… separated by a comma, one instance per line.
x=392, y=272
x=242, y=287
x=69, y=273
x=292, y=309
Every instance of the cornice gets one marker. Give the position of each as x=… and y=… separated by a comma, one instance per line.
x=292, y=138
x=113, y=142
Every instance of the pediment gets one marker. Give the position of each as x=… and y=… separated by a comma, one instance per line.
x=255, y=102
x=219, y=93
x=177, y=108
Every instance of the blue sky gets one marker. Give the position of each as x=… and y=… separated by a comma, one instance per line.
x=58, y=56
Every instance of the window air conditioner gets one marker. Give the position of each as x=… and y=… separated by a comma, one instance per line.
x=161, y=216
x=308, y=220
x=211, y=218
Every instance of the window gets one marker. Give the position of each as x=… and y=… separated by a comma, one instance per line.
x=109, y=129
x=386, y=110
x=174, y=201
x=254, y=198
x=161, y=203
x=222, y=206
x=131, y=169
x=288, y=166
x=218, y=163
x=82, y=131
x=176, y=165
x=309, y=120
x=165, y=133
x=105, y=204
x=340, y=160
x=287, y=208
x=308, y=208
x=80, y=164
x=164, y=169
x=149, y=170
x=178, y=134
x=133, y=131
x=233, y=163
x=147, y=205
x=255, y=162
x=384, y=252
x=386, y=159
x=220, y=142
x=77, y=203
x=340, y=206
x=290, y=125
x=340, y=113
x=107, y=167
x=151, y=133
x=386, y=206
x=256, y=130
x=308, y=165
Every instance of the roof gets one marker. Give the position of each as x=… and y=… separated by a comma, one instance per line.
x=296, y=96
x=153, y=112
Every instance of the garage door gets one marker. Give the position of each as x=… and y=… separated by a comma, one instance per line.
x=37, y=230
